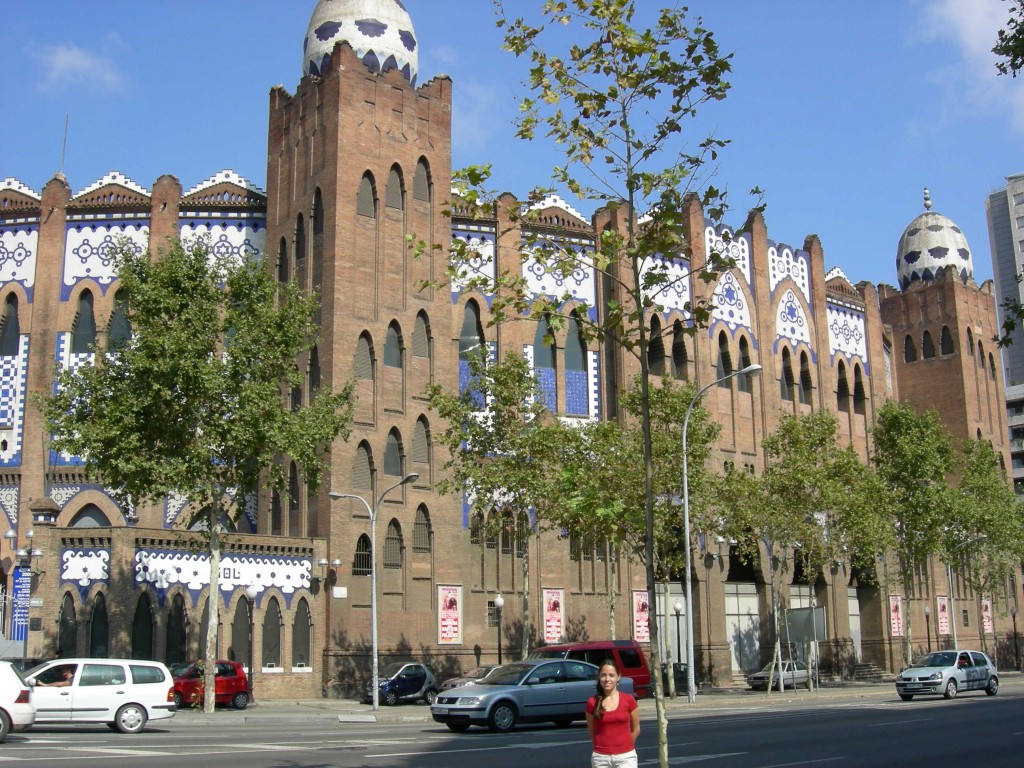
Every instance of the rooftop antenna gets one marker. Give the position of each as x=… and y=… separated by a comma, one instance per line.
x=64, y=146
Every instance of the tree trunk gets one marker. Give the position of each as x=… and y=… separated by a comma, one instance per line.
x=210, y=654
x=525, y=636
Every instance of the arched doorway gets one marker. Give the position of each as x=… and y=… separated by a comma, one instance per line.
x=177, y=632
x=67, y=628
x=142, y=629
x=99, y=628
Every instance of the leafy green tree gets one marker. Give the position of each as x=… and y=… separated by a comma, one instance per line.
x=193, y=402
x=802, y=500
x=500, y=439
x=990, y=515
x=613, y=99
x=908, y=486
x=1009, y=45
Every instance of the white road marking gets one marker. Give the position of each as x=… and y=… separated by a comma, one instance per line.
x=903, y=722
x=693, y=758
x=805, y=762
x=120, y=752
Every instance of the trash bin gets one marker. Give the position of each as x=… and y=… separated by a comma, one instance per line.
x=678, y=674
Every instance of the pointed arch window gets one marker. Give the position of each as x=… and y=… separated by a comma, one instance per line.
x=240, y=623
x=422, y=534
x=302, y=626
x=421, y=182
x=99, y=629
x=946, y=341
x=67, y=628
x=909, y=350
x=300, y=249
x=364, y=358
x=680, y=356
x=724, y=367
x=83, y=334
x=806, y=384
x=294, y=505
x=393, y=546
x=577, y=400
x=271, y=651
x=991, y=367
x=362, y=469
x=970, y=343
x=275, y=514
x=362, y=562
x=421, y=336
x=927, y=346
x=120, y=332
x=90, y=516
x=314, y=373
x=421, y=442
x=744, y=381
x=177, y=632
x=842, y=390
x=859, y=396
x=393, y=346
x=142, y=629
x=471, y=337
x=544, y=364
x=393, y=454
x=366, y=198
x=981, y=355
x=10, y=336
x=316, y=223
x=394, y=195
x=656, y=349
x=787, y=382
x=283, y=273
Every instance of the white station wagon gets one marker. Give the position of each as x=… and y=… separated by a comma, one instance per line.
x=123, y=693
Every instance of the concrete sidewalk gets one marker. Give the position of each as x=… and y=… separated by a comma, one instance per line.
x=351, y=711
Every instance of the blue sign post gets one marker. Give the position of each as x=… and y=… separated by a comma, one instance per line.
x=21, y=595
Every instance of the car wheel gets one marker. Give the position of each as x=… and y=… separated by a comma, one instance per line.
x=430, y=696
x=391, y=698
x=131, y=718
x=240, y=700
x=5, y=725
x=458, y=727
x=563, y=722
x=950, y=692
x=993, y=686
x=503, y=717
x=179, y=700
x=907, y=696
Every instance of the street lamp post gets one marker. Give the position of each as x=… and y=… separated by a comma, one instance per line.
x=949, y=583
x=928, y=625
x=499, y=603
x=1016, y=645
x=691, y=688
x=372, y=512
x=250, y=597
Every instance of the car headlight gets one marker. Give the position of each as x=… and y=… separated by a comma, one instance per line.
x=468, y=701
x=934, y=676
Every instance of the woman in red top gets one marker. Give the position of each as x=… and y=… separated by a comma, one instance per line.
x=613, y=721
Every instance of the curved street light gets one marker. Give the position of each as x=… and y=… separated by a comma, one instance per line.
x=691, y=687
x=372, y=512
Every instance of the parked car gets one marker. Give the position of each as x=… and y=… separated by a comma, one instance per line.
x=231, y=686
x=794, y=674
x=627, y=655
x=125, y=694
x=404, y=681
x=948, y=673
x=535, y=690
x=16, y=709
x=469, y=678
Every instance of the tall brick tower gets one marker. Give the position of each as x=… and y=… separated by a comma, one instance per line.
x=358, y=158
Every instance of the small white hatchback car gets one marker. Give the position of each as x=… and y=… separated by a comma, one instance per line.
x=16, y=710
x=123, y=693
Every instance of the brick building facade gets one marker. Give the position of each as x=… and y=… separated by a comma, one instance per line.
x=358, y=157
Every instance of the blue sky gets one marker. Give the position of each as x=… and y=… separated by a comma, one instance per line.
x=841, y=111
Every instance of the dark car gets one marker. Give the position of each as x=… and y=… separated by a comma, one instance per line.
x=531, y=691
x=231, y=686
x=404, y=681
x=468, y=678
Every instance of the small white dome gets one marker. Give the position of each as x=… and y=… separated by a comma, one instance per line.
x=379, y=31
x=931, y=245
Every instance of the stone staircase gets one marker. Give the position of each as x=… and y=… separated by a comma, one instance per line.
x=867, y=673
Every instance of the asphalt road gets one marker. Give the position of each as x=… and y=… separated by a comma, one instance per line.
x=805, y=730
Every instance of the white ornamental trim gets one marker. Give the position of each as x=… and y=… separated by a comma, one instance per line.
x=84, y=566
x=554, y=201
x=114, y=177
x=15, y=185
x=164, y=569
x=226, y=176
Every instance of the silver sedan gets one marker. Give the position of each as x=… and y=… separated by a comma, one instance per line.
x=948, y=673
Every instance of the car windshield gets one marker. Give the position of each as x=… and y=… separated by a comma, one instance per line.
x=478, y=672
x=392, y=669
x=510, y=674
x=939, y=659
x=178, y=670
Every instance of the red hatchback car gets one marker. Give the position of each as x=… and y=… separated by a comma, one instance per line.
x=232, y=686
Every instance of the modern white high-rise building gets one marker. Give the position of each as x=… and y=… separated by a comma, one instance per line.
x=1004, y=210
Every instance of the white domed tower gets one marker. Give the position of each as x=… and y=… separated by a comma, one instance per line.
x=930, y=245
x=379, y=31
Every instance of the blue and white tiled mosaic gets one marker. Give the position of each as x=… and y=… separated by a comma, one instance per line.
x=228, y=239
x=19, y=247
x=13, y=394
x=729, y=303
x=737, y=249
x=791, y=321
x=91, y=247
x=673, y=293
x=783, y=262
x=846, y=332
